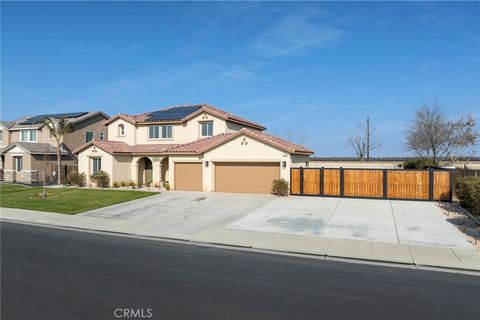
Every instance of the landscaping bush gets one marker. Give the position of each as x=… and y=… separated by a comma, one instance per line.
x=123, y=184
x=101, y=178
x=468, y=192
x=131, y=184
x=76, y=179
x=166, y=185
x=419, y=164
x=280, y=187
x=115, y=184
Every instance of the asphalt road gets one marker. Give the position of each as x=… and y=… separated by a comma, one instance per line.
x=62, y=274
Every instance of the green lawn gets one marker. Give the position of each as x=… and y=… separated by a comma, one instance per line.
x=67, y=200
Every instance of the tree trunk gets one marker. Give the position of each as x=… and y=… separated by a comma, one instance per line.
x=59, y=163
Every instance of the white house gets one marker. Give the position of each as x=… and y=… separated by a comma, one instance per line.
x=193, y=147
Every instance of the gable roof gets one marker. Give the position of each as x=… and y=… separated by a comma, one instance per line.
x=72, y=117
x=182, y=113
x=34, y=148
x=195, y=147
x=6, y=124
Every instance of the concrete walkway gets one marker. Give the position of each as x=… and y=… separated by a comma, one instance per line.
x=418, y=255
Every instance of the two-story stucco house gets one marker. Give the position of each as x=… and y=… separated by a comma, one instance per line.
x=28, y=149
x=193, y=147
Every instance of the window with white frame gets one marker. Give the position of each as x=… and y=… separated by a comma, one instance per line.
x=121, y=130
x=206, y=129
x=28, y=135
x=160, y=132
x=96, y=165
x=101, y=136
x=18, y=164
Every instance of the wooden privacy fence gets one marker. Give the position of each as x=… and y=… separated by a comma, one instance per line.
x=372, y=183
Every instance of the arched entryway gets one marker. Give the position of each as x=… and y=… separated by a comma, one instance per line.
x=145, y=171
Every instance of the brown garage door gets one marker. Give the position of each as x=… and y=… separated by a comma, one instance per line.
x=246, y=177
x=188, y=176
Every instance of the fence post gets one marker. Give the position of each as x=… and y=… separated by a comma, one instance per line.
x=430, y=184
x=301, y=181
x=385, y=177
x=321, y=180
x=342, y=182
x=450, y=176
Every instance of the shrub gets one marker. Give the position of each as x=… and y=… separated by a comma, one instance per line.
x=101, y=178
x=280, y=187
x=419, y=164
x=115, y=184
x=123, y=184
x=131, y=184
x=166, y=185
x=468, y=192
x=76, y=179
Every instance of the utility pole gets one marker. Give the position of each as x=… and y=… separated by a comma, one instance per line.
x=368, y=138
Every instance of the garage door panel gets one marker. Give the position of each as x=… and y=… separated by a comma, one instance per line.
x=245, y=177
x=188, y=176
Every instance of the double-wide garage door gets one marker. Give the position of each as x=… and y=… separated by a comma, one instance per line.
x=246, y=177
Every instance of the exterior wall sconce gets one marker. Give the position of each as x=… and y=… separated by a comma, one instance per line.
x=284, y=164
x=206, y=164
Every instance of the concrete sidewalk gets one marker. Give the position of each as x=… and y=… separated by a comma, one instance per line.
x=417, y=255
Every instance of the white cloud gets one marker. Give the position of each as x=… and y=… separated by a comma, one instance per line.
x=297, y=33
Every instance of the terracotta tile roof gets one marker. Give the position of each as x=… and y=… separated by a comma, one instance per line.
x=195, y=147
x=152, y=148
x=144, y=117
x=282, y=144
x=203, y=144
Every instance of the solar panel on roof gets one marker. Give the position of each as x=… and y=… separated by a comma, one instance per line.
x=39, y=118
x=175, y=113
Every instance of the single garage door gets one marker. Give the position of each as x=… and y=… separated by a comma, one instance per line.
x=188, y=176
x=246, y=177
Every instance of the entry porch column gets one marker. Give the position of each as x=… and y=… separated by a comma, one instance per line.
x=157, y=171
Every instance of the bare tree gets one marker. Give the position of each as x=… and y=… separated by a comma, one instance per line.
x=433, y=136
x=58, y=128
x=362, y=140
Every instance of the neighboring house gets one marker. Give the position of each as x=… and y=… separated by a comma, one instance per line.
x=385, y=162
x=28, y=147
x=193, y=147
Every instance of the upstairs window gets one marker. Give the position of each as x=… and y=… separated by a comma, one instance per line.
x=88, y=136
x=206, y=129
x=160, y=132
x=121, y=130
x=1, y=135
x=28, y=136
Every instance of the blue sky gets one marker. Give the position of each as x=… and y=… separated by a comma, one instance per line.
x=316, y=69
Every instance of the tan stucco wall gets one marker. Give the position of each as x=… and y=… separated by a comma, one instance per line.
x=6, y=137
x=181, y=132
x=186, y=132
x=85, y=161
x=121, y=168
x=130, y=132
x=77, y=137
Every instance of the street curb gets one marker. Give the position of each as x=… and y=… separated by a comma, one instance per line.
x=251, y=249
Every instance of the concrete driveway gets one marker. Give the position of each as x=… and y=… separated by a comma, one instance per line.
x=187, y=213
x=399, y=222
x=178, y=212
